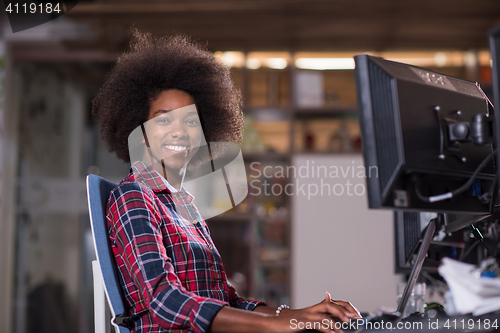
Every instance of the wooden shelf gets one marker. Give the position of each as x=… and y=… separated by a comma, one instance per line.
x=266, y=156
x=274, y=263
x=258, y=109
x=283, y=113
x=320, y=153
x=325, y=112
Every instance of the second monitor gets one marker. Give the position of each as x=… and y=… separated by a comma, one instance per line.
x=429, y=136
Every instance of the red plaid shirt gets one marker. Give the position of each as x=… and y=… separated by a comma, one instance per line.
x=171, y=273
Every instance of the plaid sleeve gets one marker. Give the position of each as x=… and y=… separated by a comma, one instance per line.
x=237, y=302
x=136, y=221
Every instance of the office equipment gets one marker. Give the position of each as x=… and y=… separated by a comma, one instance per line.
x=452, y=241
x=104, y=268
x=433, y=142
x=417, y=267
x=429, y=137
x=494, y=41
x=408, y=227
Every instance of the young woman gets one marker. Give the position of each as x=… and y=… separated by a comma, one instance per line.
x=166, y=98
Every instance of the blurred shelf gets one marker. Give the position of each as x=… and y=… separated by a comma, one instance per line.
x=326, y=153
x=274, y=263
x=266, y=156
x=326, y=112
x=258, y=109
x=268, y=113
x=284, y=113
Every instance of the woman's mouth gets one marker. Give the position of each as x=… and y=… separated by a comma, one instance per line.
x=177, y=149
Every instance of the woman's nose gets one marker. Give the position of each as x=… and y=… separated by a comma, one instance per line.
x=178, y=130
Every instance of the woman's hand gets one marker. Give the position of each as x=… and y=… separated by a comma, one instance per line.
x=349, y=307
x=321, y=317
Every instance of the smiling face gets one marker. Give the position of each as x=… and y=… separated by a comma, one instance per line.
x=173, y=132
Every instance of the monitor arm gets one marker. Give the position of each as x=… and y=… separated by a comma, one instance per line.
x=479, y=131
x=452, y=132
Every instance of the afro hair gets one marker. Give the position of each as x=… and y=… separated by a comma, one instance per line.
x=156, y=64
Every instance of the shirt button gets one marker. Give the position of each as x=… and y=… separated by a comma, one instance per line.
x=210, y=247
x=195, y=221
x=217, y=275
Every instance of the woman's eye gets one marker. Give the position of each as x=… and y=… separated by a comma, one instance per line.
x=193, y=122
x=162, y=120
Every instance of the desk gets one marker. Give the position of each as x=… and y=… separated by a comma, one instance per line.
x=440, y=324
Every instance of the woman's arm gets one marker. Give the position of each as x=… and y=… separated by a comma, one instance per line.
x=347, y=305
x=136, y=238
x=319, y=316
x=135, y=225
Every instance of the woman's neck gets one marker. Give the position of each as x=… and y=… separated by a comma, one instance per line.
x=174, y=177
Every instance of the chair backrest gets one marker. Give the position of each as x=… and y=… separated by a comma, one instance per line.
x=98, y=191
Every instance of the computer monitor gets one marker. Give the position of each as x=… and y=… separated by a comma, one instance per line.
x=428, y=139
x=494, y=41
x=457, y=244
x=408, y=227
x=432, y=140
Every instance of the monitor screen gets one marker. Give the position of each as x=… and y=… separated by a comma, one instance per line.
x=427, y=139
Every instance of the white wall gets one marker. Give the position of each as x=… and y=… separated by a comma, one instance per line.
x=339, y=245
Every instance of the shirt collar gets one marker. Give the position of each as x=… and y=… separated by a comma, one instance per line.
x=167, y=184
x=173, y=189
x=149, y=176
x=158, y=183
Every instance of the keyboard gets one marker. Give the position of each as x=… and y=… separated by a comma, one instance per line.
x=428, y=322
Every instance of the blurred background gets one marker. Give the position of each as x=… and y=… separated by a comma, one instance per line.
x=293, y=62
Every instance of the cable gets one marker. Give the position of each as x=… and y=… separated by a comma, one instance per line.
x=459, y=190
x=477, y=234
x=486, y=197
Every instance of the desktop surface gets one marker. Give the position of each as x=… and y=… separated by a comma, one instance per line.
x=431, y=321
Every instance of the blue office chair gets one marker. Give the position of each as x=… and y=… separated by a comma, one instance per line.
x=104, y=268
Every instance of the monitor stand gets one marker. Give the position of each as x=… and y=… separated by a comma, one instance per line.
x=417, y=266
